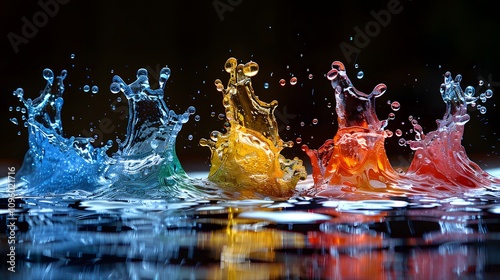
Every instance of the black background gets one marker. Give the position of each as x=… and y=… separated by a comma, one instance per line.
x=286, y=38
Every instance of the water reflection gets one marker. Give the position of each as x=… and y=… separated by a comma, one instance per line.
x=256, y=239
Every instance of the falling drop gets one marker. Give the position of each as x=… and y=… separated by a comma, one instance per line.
x=402, y=142
x=391, y=116
x=266, y=85
x=72, y=56
x=114, y=87
x=282, y=82
x=395, y=106
x=212, y=114
x=86, y=88
x=298, y=140
x=360, y=75
x=95, y=89
x=293, y=81
x=488, y=93
x=481, y=82
x=315, y=121
x=310, y=76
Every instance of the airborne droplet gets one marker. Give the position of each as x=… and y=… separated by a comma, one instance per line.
x=395, y=106
x=360, y=75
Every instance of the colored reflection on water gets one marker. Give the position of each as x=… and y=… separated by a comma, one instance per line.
x=303, y=237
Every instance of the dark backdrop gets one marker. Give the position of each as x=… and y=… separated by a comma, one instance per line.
x=409, y=52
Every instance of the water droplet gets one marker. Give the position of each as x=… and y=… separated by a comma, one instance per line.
x=488, y=93
x=399, y=132
x=298, y=140
x=11, y=108
x=86, y=88
x=95, y=89
x=481, y=82
x=293, y=81
x=315, y=121
x=482, y=97
x=310, y=76
x=48, y=75
x=14, y=121
x=395, y=106
x=356, y=66
x=218, y=85
x=402, y=142
x=469, y=91
x=287, y=127
x=266, y=85
x=119, y=99
x=410, y=118
x=329, y=105
x=282, y=82
x=197, y=118
x=114, y=87
x=302, y=124
x=212, y=114
x=482, y=110
x=221, y=116
x=191, y=110
x=360, y=75
x=190, y=137
x=214, y=135
x=72, y=56
x=414, y=122
x=388, y=133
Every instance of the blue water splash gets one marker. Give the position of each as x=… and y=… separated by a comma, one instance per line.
x=145, y=164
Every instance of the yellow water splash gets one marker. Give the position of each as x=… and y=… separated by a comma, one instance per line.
x=246, y=160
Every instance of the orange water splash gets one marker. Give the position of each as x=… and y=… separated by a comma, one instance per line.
x=246, y=160
x=355, y=159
